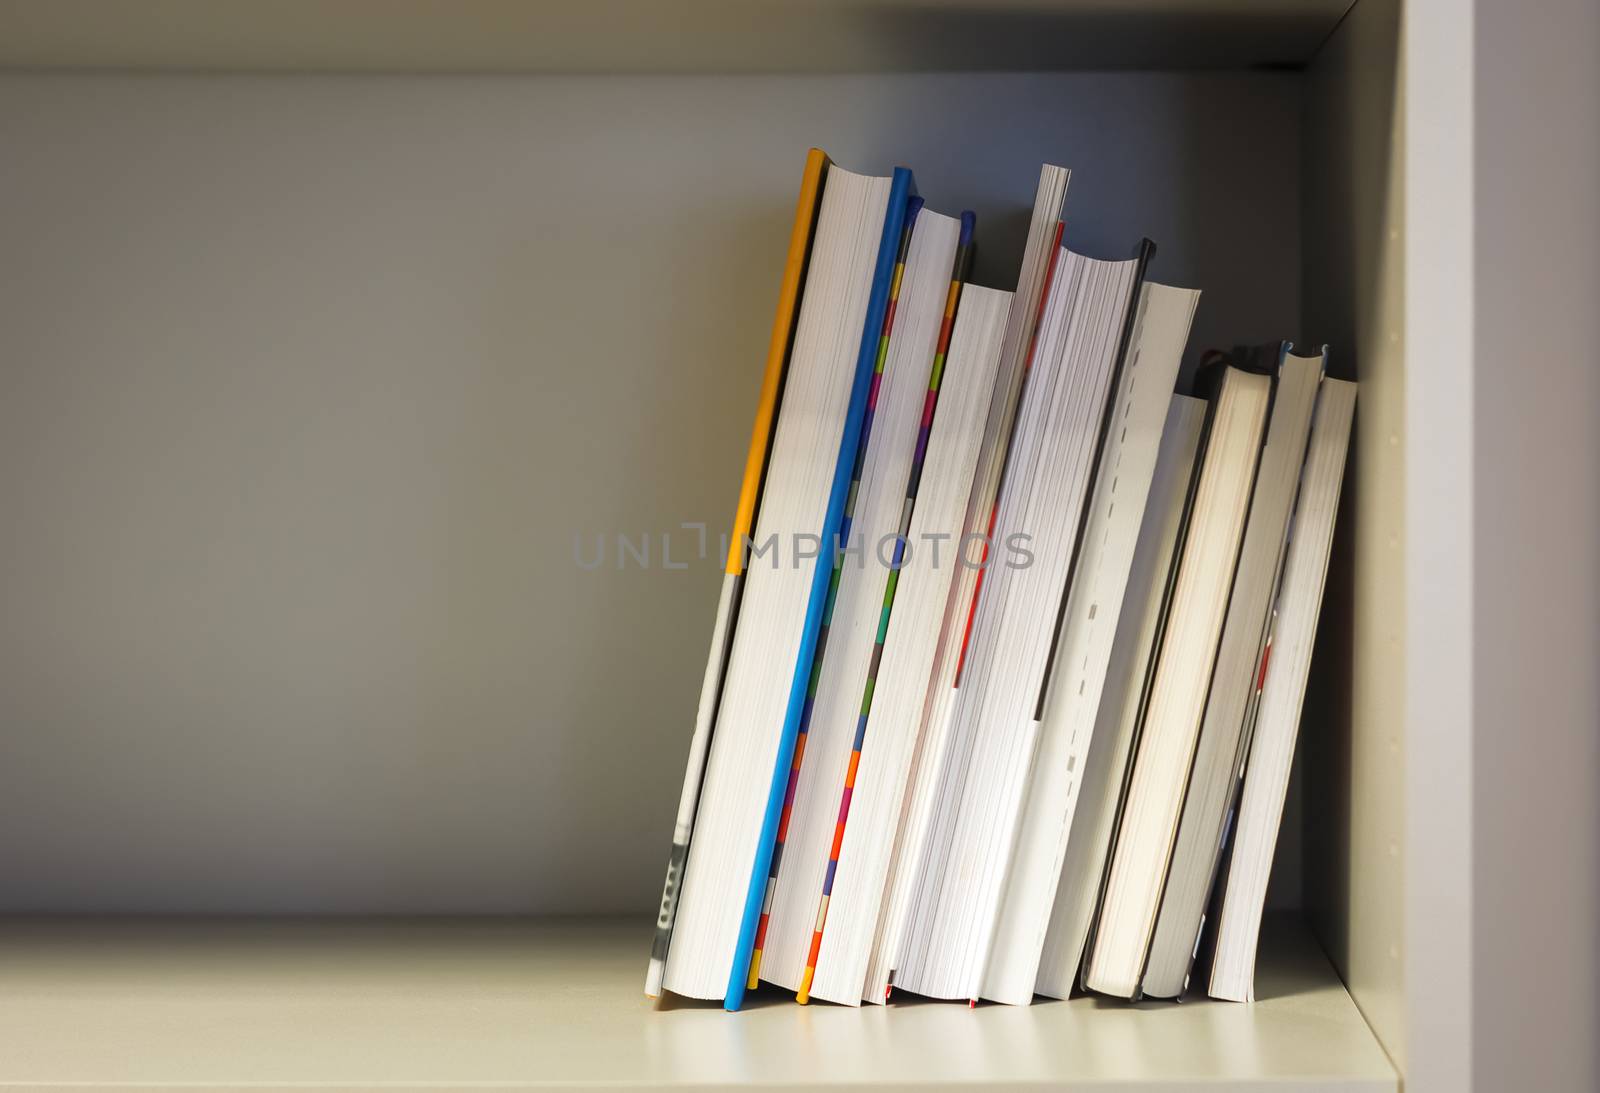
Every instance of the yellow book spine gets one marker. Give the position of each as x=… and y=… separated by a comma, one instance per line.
x=794, y=268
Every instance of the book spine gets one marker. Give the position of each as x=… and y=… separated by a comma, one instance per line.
x=877, y=306
x=928, y=763
x=930, y=402
x=1145, y=251
x=1147, y=686
x=804, y=733
x=1222, y=847
x=1007, y=432
x=755, y=466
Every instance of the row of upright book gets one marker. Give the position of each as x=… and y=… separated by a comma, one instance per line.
x=1012, y=640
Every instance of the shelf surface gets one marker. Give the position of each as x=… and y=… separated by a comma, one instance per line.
x=649, y=36
x=556, y=1004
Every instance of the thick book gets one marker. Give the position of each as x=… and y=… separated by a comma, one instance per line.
x=808, y=474
x=1063, y=419
x=1202, y=826
x=929, y=751
x=1284, y=672
x=1084, y=636
x=1171, y=721
x=755, y=465
x=1145, y=601
x=802, y=861
x=892, y=704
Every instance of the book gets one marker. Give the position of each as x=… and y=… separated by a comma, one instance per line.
x=794, y=267
x=893, y=705
x=1062, y=423
x=1171, y=720
x=928, y=753
x=988, y=683
x=1284, y=673
x=813, y=451
x=1202, y=826
x=1084, y=636
x=876, y=504
x=1150, y=580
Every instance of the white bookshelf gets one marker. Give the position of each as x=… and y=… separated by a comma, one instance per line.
x=324, y=325
x=445, y=1004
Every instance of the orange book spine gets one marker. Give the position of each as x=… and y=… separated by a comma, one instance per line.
x=794, y=268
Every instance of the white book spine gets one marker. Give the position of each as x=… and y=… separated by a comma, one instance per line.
x=1048, y=476
x=1116, y=722
x=1177, y=696
x=1087, y=629
x=910, y=646
x=766, y=642
x=930, y=755
x=1201, y=825
x=1283, y=692
x=862, y=577
x=689, y=795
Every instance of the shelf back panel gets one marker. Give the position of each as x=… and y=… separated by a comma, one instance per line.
x=322, y=391
x=689, y=36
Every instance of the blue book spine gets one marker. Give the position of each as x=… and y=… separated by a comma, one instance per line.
x=900, y=191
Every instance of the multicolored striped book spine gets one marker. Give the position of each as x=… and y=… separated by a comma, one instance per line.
x=912, y=209
x=913, y=480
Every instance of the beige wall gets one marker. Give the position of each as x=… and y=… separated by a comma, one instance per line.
x=1536, y=475
x=1503, y=784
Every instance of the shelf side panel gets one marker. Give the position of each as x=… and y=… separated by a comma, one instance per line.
x=1353, y=728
